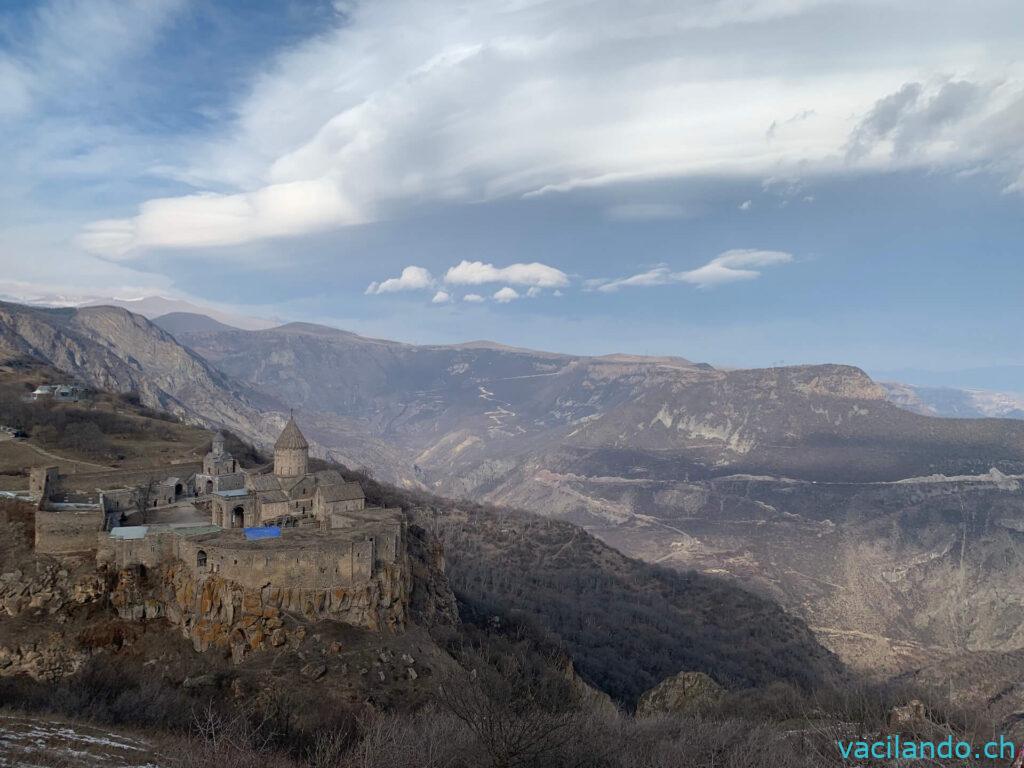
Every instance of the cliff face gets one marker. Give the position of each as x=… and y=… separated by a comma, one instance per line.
x=52, y=589
x=112, y=349
x=214, y=612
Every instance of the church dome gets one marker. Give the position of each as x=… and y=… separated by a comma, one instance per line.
x=291, y=437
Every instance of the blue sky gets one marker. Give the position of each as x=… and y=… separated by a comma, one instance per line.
x=744, y=183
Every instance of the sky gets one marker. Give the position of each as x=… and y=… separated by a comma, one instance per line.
x=742, y=182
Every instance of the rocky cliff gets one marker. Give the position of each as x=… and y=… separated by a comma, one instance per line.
x=214, y=612
x=112, y=349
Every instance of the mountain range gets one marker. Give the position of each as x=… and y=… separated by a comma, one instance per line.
x=893, y=534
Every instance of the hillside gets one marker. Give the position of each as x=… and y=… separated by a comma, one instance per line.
x=176, y=323
x=465, y=417
x=623, y=624
x=114, y=350
x=759, y=476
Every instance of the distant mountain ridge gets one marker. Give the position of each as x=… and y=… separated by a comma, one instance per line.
x=788, y=479
x=190, y=322
x=956, y=403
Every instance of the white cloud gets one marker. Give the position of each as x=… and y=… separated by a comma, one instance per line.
x=473, y=298
x=67, y=46
x=534, y=292
x=728, y=267
x=533, y=274
x=732, y=266
x=406, y=101
x=412, y=279
x=505, y=295
x=211, y=219
x=441, y=297
x=657, y=276
x=746, y=205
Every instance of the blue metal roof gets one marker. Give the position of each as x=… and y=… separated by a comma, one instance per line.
x=268, y=532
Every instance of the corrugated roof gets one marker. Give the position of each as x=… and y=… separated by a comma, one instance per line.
x=291, y=436
x=232, y=493
x=129, y=532
x=267, y=532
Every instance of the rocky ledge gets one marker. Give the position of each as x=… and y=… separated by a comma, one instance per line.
x=213, y=612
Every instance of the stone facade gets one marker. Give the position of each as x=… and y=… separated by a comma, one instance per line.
x=220, y=470
x=291, y=452
x=42, y=481
x=63, y=531
x=289, y=495
x=286, y=540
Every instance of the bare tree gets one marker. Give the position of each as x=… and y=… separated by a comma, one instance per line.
x=143, y=497
x=517, y=713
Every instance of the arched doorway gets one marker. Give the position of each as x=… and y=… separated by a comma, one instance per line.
x=209, y=486
x=200, y=559
x=178, y=489
x=238, y=517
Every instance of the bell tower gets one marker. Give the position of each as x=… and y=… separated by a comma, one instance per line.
x=291, y=451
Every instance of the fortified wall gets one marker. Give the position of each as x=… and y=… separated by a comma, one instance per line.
x=284, y=548
x=62, y=529
x=227, y=591
x=298, y=558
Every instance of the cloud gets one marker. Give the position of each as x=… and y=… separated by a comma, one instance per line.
x=376, y=122
x=64, y=48
x=211, y=219
x=658, y=276
x=533, y=274
x=927, y=121
x=728, y=267
x=746, y=205
x=441, y=297
x=731, y=266
x=473, y=298
x=505, y=295
x=649, y=211
x=411, y=279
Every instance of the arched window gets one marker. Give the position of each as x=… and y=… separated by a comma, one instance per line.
x=201, y=559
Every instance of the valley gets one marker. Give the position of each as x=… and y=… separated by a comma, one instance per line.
x=895, y=536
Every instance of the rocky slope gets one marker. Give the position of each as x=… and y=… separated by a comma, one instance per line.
x=956, y=403
x=786, y=479
x=464, y=419
x=645, y=453
x=112, y=349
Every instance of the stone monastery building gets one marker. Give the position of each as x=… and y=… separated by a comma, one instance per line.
x=287, y=496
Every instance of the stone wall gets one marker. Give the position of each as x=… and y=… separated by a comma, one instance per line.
x=115, y=478
x=66, y=530
x=318, y=567
x=42, y=481
x=314, y=561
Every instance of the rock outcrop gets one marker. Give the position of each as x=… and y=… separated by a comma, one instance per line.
x=48, y=590
x=214, y=612
x=685, y=693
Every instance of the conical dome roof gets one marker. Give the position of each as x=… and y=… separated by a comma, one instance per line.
x=291, y=437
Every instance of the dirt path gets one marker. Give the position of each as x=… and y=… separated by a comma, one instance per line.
x=62, y=459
